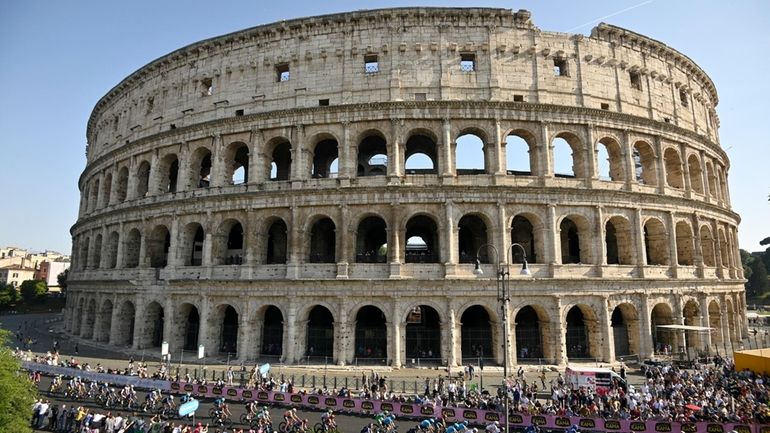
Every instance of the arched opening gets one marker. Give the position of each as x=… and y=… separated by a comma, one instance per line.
x=272, y=332
x=238, y=164
x=142, y=179
x=578, y=335
x=618, y=241
x=715, y=323
x=201, y=168
x=277, y=243
x=320, y=333
x=476, y=332
x=154, y=319
x=169, y=174
x=193, y=237
x=472, y=234
x=77, y=320
x=575, y=245
x=105, y=322
x=696, y=174
x=656, y=242
x=158, y=244
x=325, y=154
x=229, y=248
x=372, y=240
x=371, y=334
x=684, y=244
x=707, y=246
x=280, y=161
x=192, y=323
x=712, y=180
x=691, y=314
x=662, y=338
x=609, y=160
x=93, y=202
x=420, y=155
x=523, y=233
x=722, y=184
x=90, y=320
x=644, y=164
x=724, y=250
x=422, y=243
x=112, y=250
x=529, y=342
x=323, y=242
x=125, y=325
x=96, y=255
x=107, y=190
x=122, y=186
x=622, y=316
x=84, y=257
x=131, y=248
x=228, y=336
x=520, y=155
x=470, y=155
x=568, y=159
x=423, y=334
x=674, y=172
x=372, y=155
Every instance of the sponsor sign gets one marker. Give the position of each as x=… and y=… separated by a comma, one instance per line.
x=189, y=407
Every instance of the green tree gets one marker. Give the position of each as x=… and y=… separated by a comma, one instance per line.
x=32, y=290
x=8, y=295
x=17, y=392
x=61, y=279
x=757, y=284
x=746, y=260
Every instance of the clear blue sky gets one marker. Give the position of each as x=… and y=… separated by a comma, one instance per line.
x=59, y=57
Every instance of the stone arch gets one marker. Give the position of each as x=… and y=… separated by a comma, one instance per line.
x=89, y=320
x=168, y=174
x=532, y=330
x=576, y=160
x=712, y=181
x=77, y=320
x=124, y=328
x=724, y=250
x=521, y=153
x=722, y=179
x=475, y=158
x=279, y=160
x=421, y=142
x=476, y=335
x=277, y=243
x=371, y=341
x=104, y=325
x=619, y=241
x=319, y=340
x=121, y=191
x=707, y=246
x=154, y=318
x=684, y=244
x=674, y=170
x=644, y=159
x=131, y=248
x=663, y=340
x=271, y=339
x=372, y=240
x=142, y=179
x=113, y=240
x=325, y=156
x=96, y=255
x=226, y=320
x=715, y=322
x=731, y=323
x=691, y=314
x=582, y=333
x=84, y=256
x=423, y=334
x=656, y=242
x=191, y=245
x=472, y=234
x=696, y=174
x=187, y=327
x=201, y=164
x=93, y=199
x=158, y=244
x=107, y=189
x=322, y=240
x=527, y=231
x=229, y=243
x=237, y=159
x=421, y=243
x=575, y=240
x=625, y=330
x=614, y=160
x=372, y=157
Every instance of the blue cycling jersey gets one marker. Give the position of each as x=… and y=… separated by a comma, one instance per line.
x=425, y=424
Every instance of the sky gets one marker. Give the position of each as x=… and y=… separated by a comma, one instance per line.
x=57, y=58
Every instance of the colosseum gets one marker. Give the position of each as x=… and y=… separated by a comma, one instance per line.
x=320, y=189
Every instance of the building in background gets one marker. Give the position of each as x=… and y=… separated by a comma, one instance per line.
x=14, y=275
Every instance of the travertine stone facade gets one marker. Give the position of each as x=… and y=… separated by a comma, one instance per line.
x=300, y=190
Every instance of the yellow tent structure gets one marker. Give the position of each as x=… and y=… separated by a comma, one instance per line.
x=756, y=360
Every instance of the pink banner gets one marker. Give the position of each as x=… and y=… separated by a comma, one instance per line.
x=454, y=414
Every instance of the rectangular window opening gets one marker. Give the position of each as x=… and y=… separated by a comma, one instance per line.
x=605, y=106
x=238, y=113
x=282, y=72
x=518, y=98
x=468, y=62
x=323, y=102
x=207, y=87
x=371, y=64
x=172, y=126
x=420, y=96
x=560, y=68
x=683, y=98
x=636, y=80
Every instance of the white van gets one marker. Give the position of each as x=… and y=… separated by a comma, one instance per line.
x=599, y=379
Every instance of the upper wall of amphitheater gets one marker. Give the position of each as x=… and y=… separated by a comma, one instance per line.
x=392, y=55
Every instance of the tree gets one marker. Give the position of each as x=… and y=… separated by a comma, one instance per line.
x=61, y=279
x=17, y=392
x=746, y=260
x=32, y=290
x=757, y=284
x=8, y=295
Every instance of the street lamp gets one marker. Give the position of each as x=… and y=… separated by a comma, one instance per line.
x=504, y=298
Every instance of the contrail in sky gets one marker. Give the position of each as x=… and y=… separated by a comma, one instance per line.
x=611, y=15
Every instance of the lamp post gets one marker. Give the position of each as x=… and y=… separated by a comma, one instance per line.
x=504, y=298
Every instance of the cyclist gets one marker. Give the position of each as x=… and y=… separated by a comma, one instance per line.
x=389, y=423
x=291, y=418
x=263, y=414
x=380, y=416
x=328, y=422
x=493, y=427
x=369, y=428
x=168, y=402
x=185, y=398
